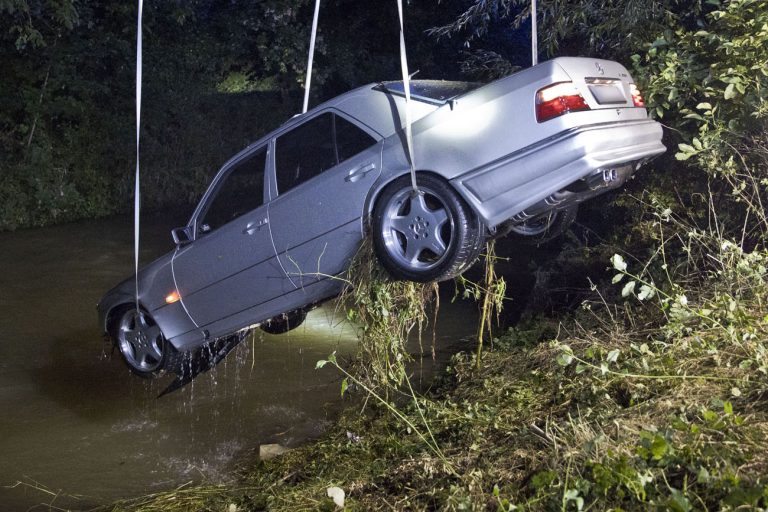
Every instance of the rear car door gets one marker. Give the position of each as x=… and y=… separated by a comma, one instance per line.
x=324, y=169
x=231, y=265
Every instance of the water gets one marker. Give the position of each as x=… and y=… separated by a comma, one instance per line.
x=75, y=422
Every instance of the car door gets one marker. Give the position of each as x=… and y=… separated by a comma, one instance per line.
x=324, y=169
x=231, y=265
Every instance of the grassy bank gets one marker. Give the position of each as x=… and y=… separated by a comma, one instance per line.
x=649, y=396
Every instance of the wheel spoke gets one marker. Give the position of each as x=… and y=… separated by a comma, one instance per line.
x=440, y=217
x=153, y=351
x=141, y=322
x=154, y=342
x=413, y=249
x=436, y=244
x=419, y=206
x=145, y=353
x=152, y=332
x=138, y=352
x=401, y=224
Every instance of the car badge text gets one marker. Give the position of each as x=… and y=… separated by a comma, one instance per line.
x=599, y=68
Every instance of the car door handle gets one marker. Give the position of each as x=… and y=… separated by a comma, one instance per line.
x=358, y=172
x=252, y=227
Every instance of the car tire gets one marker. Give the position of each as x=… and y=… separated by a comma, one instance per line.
x=432, y=235
x=143, y=345
x=285, y=322
x=543, y=228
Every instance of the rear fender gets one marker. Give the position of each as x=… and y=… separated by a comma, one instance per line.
x=383, y=181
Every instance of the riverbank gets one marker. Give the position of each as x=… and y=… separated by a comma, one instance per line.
x=653, y=400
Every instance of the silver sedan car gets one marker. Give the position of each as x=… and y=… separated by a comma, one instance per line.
x=286, y=215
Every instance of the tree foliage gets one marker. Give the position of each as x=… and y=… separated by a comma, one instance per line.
x=32, y=23
x=608, y=29
x=712, y=83
x=217, y=74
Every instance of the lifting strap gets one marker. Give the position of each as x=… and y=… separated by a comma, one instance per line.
x=407, y=90
x=136, y=195
x=406, y=83
x=311, y=56
x=534, y=36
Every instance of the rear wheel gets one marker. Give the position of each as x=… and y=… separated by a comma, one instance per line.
x=545, y=227
x=429, y=235
x=285, y=322
x=143, y=345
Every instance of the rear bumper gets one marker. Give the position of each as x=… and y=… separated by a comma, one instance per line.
x=501, y=189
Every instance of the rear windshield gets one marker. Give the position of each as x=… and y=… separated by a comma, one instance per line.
x=436, y=92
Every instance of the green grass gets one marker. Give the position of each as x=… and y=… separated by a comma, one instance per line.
x=649, y=396
x=632, y=406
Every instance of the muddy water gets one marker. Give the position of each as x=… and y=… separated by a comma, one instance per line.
x=73, y=421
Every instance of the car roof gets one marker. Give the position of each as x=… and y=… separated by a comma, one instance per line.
x=372, y=104
x=379, y=106
x=366, y=104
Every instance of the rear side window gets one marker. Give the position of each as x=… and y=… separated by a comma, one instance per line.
x=436, y=92
x=240, y=191
x=315, y=146
x=350, y=140
x=304, y=152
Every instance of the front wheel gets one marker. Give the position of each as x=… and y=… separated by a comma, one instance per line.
x=143, y=345
x=429, y=235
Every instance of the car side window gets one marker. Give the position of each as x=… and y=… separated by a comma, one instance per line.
x=315, y=146
x=350, y=140
x=238, y=192
x=304, y=152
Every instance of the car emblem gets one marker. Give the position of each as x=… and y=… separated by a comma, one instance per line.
x=599, y=68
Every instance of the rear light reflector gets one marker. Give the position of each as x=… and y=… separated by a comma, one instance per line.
x=558, y=99
x=637, y=98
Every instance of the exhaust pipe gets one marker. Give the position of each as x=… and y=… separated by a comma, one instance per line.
x=609, y=178
x=549, y=203
x=580, y=190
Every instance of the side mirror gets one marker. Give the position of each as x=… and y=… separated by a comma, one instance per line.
x=181, y=236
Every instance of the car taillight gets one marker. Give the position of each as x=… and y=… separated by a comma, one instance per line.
x=558, y=99
x=637, y=98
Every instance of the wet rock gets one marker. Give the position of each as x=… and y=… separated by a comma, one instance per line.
x=270, y=451
x=338, y=495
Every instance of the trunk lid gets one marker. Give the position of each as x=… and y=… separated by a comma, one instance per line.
x=604, y=84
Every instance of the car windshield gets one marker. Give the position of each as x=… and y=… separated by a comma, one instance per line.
x=436, y=92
